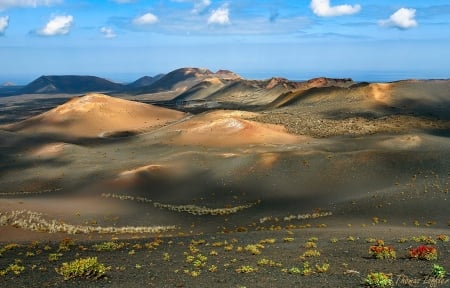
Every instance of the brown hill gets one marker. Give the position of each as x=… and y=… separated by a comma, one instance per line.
x=96, y=115
x=180, y=80
x=409, y=96
x=239, y=91
x=228, y=128
x=363, y=109
x=201, y=90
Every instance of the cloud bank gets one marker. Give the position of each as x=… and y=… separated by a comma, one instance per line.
x=58, y=25
x=323, y=8
x=403, y=18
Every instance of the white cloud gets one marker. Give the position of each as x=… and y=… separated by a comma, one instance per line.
x=4, y=21
x=323, y=8
x=5, y=4
x=58, y=25
x=145, y=19
x=108, y=32
x=199, y=5
x=220, y=16
x=403, y=18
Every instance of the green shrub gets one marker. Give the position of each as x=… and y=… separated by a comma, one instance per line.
x=87, y=268
x=378, y=280
x=438, y=271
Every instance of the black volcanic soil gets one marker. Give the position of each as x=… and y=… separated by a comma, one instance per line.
x=141, y=263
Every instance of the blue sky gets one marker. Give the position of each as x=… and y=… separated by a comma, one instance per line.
x=125, y=39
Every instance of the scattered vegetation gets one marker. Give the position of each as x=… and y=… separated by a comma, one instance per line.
x=108, y=246
x=191, y=209
x=306, y=216
x=15, y=268
x=304, y=271
x=8, y=247
x=269, y=263
x=34, y=221
x=424, y=239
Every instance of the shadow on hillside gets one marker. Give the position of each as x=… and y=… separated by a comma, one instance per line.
x=24, y=109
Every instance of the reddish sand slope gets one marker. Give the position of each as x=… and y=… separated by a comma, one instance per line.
x=96, y=115
x=229, y=128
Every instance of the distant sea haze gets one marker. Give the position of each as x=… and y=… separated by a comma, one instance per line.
x=359, y=76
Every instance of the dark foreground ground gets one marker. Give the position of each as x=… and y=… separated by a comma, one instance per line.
x=164, y=262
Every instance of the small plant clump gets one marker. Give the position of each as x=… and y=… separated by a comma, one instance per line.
x=310, y=253
x=108, y=246
x=424, y=239
x=254, y=249
x=322, y=268
x=246, y=269
x=304, y=271
x=66, y=244
x=443, y=238
x=380, y=251
x=54, y=257
x=88, y=268
x=378, y=280
x=423, y=252
x=8, y=247
x=15, y=268
x=310, y=244
x=438, y=271
x=267, y=241
x=270, y=263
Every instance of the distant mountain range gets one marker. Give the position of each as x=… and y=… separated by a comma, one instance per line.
x=177, y=80
x=182, y=85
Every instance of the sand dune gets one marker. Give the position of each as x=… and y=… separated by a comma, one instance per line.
x=96, y=115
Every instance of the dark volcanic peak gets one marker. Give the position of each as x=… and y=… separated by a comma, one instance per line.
x=70, y=84
x=142, y=82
